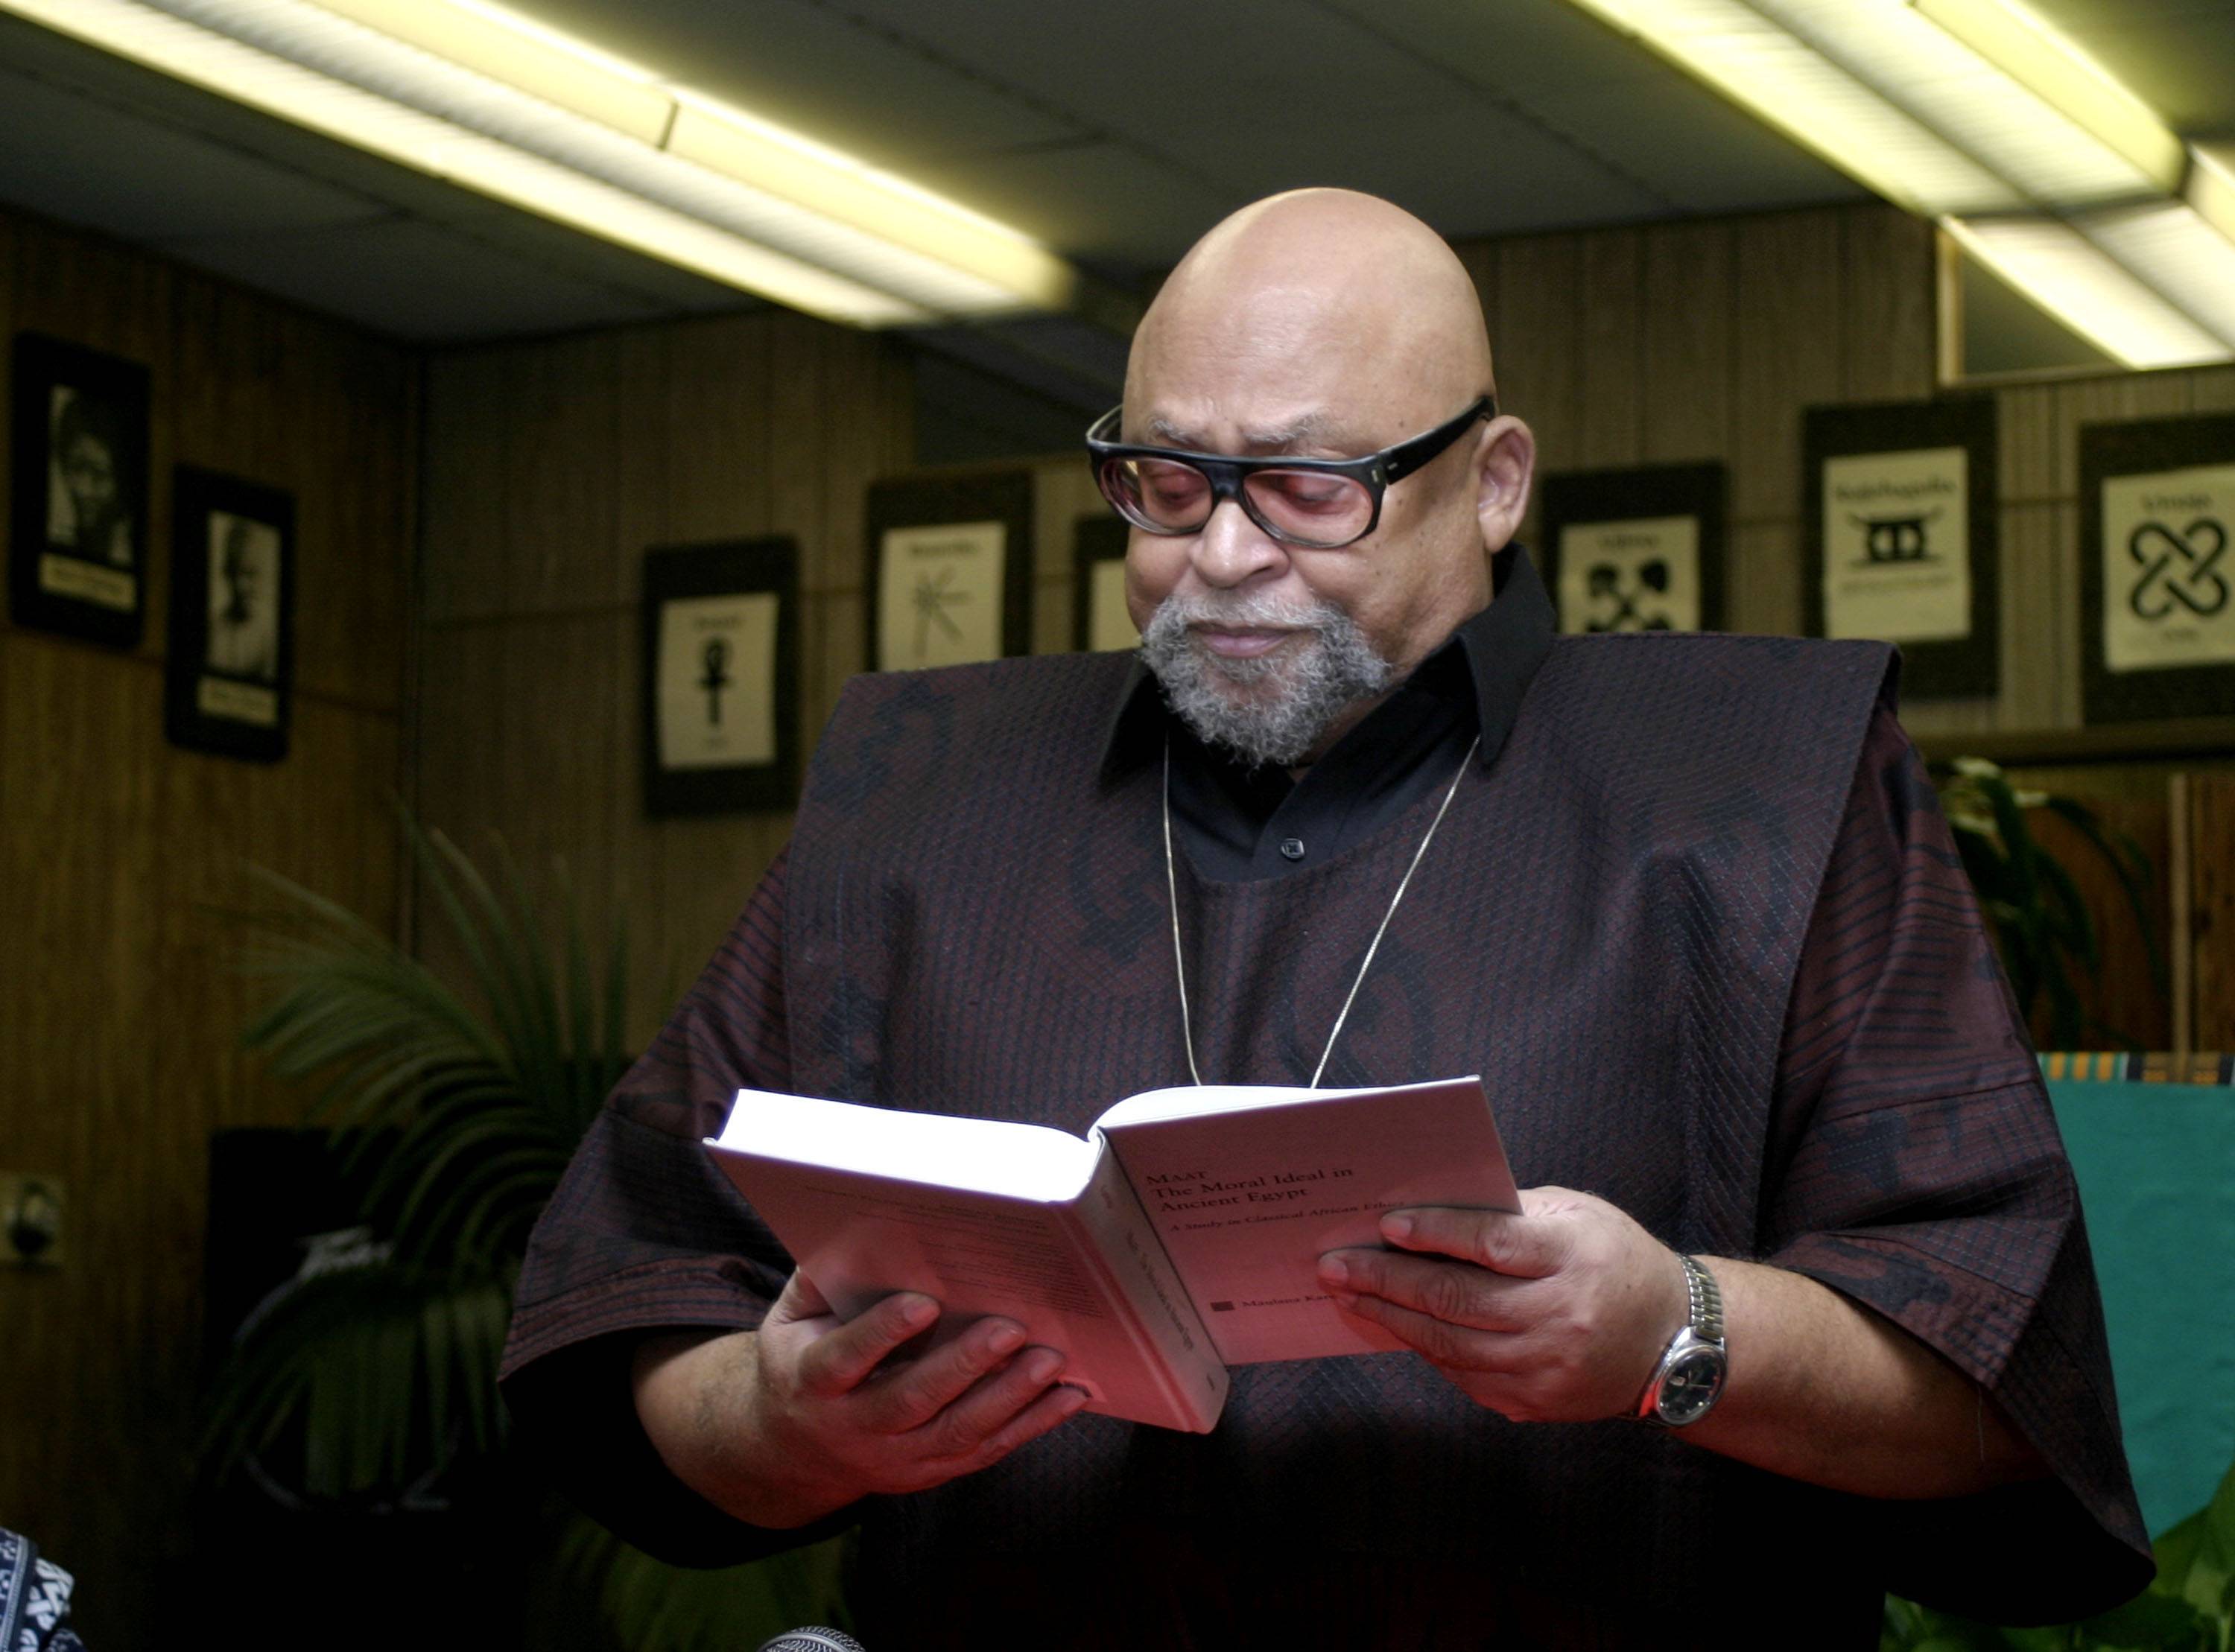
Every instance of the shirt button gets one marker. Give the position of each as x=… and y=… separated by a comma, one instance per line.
x=1293, y=848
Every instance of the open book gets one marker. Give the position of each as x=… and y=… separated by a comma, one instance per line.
x=1181, y=1235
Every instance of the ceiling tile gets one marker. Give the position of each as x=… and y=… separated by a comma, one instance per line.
x=587, y=259
x=114, y=172
x=1511, y=45
x=1696, y=152
x=1468, y=170
x=2182, y=65
x=1102, y=201
x=417, y=281
x=844, y=82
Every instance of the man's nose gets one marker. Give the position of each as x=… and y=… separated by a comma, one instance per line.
x=1230, y=550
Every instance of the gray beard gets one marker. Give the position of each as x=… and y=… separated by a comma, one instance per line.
x=1274, y=708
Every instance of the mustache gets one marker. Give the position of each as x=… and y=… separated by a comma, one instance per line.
x=1243, y=610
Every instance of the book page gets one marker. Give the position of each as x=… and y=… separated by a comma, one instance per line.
x=937, y=1149
x=1247, y=1195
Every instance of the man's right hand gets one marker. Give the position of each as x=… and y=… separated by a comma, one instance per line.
x=784, y=1424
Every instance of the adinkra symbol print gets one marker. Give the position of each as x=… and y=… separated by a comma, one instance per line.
x=1627, y=605
x=2178, y=570
x=933, y=596
x=1895, y=538
x=2168, y=579
x=716, y=677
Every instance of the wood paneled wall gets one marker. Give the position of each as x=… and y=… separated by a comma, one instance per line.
x=1707, y=340
x=551, y=467
x=120, y=1001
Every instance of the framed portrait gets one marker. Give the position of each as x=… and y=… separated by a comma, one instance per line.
x=77, y=552
x=2157, y=573
x=1637, y=550
x=1898, y=537
x=229, y=677
x=1100, y=623
x=950, y=570
x=721, y=677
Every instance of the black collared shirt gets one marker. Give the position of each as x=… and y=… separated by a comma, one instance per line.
x=1236, y=823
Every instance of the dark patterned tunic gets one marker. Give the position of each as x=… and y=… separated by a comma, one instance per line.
x=1696, y=917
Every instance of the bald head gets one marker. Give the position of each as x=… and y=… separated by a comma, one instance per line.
x=1323, y=297
x=1320, y=325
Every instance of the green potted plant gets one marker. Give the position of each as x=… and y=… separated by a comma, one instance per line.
x=453, y=1114
x=2041, y=925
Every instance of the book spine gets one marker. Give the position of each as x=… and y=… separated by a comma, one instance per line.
x=1118, y=1242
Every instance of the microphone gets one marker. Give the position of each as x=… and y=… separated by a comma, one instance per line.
x=812, y=1639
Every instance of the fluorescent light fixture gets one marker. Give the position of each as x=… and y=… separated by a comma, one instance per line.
x=2018, y=43
x=1945, y=83
x=466, y=91
x=1914, y=109
x=2210, y=187
x=525, y=55
x=1793, y=85
x=2087, y=290
x=520, y=53
x=1978, y=114
x=2170, y=245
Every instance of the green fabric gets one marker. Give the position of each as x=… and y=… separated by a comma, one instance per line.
x=2156, y=1167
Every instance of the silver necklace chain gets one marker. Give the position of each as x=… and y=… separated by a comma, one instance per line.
x=1179, y=956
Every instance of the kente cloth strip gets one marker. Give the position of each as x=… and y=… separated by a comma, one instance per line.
x=34, y=1595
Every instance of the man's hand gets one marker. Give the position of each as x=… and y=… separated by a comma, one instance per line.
x=1557, y=1314
x=782, y=1426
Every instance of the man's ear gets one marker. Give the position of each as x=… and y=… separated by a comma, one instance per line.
x=1505, y=459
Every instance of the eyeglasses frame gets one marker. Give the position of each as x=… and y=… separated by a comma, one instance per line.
x=1225, y=473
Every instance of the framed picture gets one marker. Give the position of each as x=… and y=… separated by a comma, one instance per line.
x=2157, y=573
x=1098, y=620
x=1638, y=550
x=1898, y=537
x=950, y=570
x=77, y=554
x=721, y=677
x=228, y=681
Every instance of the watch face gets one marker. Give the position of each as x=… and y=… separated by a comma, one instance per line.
x=1691, y=1385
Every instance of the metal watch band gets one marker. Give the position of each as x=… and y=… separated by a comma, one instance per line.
x=1706, y=1319
x=1698, y=1341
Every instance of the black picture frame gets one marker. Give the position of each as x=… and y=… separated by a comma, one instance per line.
x=1965, y=667
x=1096, y=541
x=933, y=502
x=706, y=579
x=229, y=667
x=1578, y=498
x=79, y=450
x=2109, y=452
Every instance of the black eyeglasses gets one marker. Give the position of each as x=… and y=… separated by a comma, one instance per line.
x=1320, y=504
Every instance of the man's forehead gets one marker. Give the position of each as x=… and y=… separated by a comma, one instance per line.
x=1213, y=426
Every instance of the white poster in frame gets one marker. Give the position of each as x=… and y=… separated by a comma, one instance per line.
x=2168, y=577
x=720, y=677
x=1640, y=575
x=718, y=680
x=1897, y=546
x=940, y=596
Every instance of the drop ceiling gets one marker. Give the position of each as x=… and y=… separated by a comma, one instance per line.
x=1114, y=131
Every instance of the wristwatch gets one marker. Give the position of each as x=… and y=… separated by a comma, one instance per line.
x=1689, y=1379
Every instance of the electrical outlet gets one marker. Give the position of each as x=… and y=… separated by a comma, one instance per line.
x=30, y=1219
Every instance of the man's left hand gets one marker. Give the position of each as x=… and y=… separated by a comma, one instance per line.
x=1557, y=1314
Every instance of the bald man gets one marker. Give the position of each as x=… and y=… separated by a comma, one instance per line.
x=1803, y=1292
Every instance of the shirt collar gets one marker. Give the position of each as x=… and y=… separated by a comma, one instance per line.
x=1503, y=644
